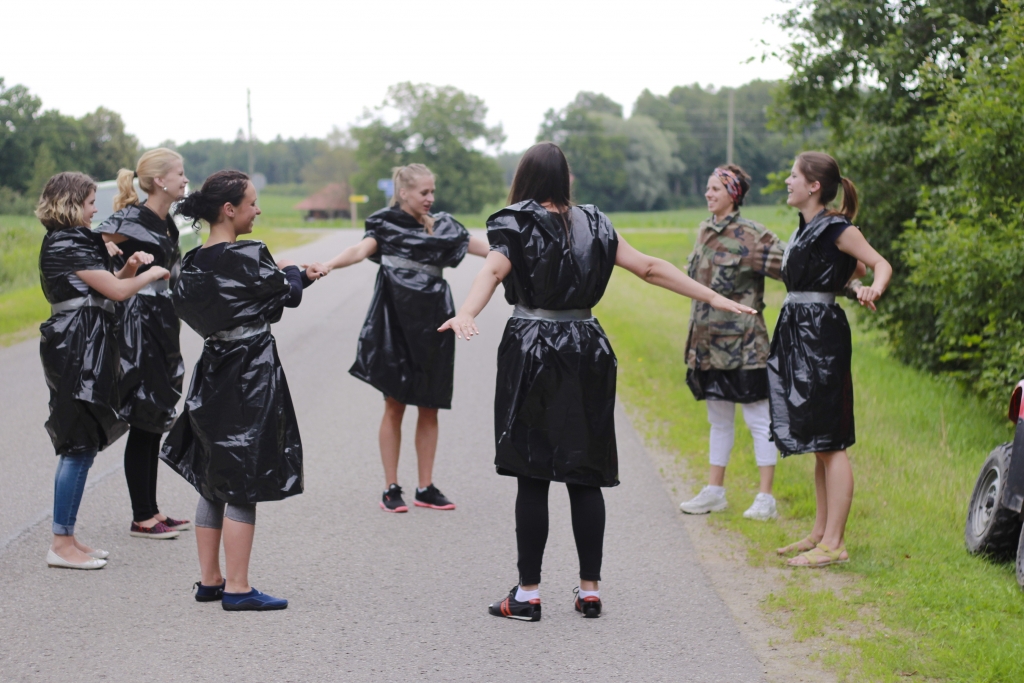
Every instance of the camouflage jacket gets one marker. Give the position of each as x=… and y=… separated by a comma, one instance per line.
x=732, y=258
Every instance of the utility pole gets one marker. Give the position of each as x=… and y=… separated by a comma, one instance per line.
x=248, y=107
x=732, y=126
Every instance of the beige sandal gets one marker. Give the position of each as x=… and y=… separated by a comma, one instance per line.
x=819, y=556
x=801, y=546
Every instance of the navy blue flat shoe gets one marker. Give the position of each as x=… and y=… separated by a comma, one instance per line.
x=253, y=601
x=208, y=593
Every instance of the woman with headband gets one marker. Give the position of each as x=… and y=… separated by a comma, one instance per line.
x=727, y=353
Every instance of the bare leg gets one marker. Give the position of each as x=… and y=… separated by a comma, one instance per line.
x=426, y=444
x=65, y=548
x=821, y=500
x=586, y=585
x=716, y=477
x=208, y=545
x=391, y=439
x=767, y=478
x=81, y=546
x=839, y=482
x=237, y=549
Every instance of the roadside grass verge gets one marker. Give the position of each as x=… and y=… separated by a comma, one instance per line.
x=22, y=304
x=918, y=604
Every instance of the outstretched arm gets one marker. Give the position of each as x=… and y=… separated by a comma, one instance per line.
x=659, y=272
x=852, y=242
x=118, y=289
x=496, y=268
x=479, y=247
x=365, y=248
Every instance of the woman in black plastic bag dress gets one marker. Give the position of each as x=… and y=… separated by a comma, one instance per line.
x=400, y=352
x=150, y=351
x=237, y=440
x=809, y=381
x=555, y=395
x=79, y=350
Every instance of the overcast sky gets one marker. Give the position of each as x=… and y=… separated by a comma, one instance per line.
x=179, y=70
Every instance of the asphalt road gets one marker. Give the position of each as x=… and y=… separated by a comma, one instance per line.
x=374, y=596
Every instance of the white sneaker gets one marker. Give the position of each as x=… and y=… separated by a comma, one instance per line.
x=763, y=508
x=706, y=501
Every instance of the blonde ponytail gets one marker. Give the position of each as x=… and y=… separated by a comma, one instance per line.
x=153, y=164
x=402, y=177
x=126, y=194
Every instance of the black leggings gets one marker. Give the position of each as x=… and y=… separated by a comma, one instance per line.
x=587, y=505
x=141, y=457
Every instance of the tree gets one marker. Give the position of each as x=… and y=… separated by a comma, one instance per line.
x=439, y=126
x=335, y=164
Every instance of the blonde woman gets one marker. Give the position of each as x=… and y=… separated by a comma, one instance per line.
x=78, y=349
x=400, y=353
x=150, y=352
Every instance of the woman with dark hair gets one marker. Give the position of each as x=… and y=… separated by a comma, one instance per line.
x=79, y=351
x=726, y=354
x=555, y=397
x=237, y=440
x=809, y=380
x=400, y=353
x=150, y=350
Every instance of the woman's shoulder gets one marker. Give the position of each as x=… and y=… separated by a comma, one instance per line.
x=77, y=237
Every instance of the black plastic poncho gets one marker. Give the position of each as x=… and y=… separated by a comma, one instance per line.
x=400, y=351
x=237, y=439
x=554, y=404
x=809, y=380
x=150, y=351
x=78, y=347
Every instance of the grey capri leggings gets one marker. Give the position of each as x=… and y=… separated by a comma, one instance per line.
x=210, y=515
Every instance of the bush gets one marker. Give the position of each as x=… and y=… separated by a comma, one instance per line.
x=14, y=203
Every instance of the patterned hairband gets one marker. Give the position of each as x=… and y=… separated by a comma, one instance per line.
x=731, y=182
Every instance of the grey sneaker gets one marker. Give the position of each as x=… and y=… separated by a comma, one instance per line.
x=763, y=508
x=706, y=501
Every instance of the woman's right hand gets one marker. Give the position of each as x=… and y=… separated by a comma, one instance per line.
x=464, y=326
x=720, y=303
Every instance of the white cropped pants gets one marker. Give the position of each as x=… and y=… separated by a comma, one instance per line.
x=722, y=416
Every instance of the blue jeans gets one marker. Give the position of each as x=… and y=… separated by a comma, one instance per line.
x=68, y=485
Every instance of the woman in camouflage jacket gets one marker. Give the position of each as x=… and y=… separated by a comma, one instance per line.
x=727, y=354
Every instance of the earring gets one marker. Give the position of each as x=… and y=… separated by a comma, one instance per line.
x=165, y=188
x=809, y=192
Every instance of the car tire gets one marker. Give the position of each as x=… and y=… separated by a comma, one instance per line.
x=992, y=529
x=1020, y=561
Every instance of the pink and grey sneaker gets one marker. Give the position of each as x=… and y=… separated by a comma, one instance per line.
x=431, y=498
x=177, y=524
x=158, y=531
x=392, y=500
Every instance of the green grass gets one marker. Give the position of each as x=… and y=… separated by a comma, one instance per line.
x=917, y=602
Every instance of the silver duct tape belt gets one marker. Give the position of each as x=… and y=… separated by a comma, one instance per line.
x=241, y=332
x=568, y=315
x=409, y=264
x=81, y=302
x=155, y=288
x=809, y=298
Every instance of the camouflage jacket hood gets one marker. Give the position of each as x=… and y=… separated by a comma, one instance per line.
x=732, y=257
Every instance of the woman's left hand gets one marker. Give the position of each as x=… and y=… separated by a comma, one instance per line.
x=315, y=271
x=722, y=304
x=138, y=259
x=867, y=296
x=113, y=249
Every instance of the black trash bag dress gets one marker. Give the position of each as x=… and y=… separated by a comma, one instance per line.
x=151, y=360
x=78, y=347
x=400, y=351
x=554, y=404
x=809, y=380
x=237, y=439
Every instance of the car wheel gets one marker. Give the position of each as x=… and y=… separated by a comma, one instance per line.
x=991, y=528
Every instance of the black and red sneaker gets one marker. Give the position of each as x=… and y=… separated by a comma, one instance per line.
x=510, y=608
x=177, y=524
x=431, y=498
x=392, y=500
x=589, y=607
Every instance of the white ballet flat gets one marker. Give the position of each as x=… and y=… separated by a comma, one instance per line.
x=55, y=560
x=98, y=554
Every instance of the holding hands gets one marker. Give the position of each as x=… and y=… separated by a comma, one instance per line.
x=316, y=270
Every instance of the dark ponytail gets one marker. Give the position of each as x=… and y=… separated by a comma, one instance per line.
x=820, y=167
x=219, y=189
